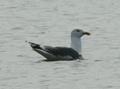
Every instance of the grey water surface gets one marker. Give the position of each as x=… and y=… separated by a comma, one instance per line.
x=49, y=22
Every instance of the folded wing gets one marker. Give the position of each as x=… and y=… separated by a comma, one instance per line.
x=55, y=53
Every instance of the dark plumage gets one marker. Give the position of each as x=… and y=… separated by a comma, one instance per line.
x=59, y=53
x=62, y=51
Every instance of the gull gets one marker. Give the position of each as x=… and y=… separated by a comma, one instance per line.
x=62, y=53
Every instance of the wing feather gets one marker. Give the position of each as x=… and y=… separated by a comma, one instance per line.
x=52, y=52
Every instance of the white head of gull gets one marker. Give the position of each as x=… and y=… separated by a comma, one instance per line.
x=62, y=53
x=76, y=35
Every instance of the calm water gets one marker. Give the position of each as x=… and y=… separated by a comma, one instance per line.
x=49, y=22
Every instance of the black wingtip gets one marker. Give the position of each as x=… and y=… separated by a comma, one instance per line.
x=34, y=45
x=31, y=43
x=28, y=42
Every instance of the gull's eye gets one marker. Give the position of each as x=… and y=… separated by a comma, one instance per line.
x=77, y=30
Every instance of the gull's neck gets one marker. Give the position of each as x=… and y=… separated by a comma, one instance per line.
x=76, y=44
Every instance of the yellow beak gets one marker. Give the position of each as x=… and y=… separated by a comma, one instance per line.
x=86, y=33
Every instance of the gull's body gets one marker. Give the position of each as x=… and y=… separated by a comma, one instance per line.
x=62, y=53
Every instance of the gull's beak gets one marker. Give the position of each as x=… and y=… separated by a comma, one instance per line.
x=86, y=33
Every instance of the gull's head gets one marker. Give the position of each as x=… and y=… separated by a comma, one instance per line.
x=79, y=33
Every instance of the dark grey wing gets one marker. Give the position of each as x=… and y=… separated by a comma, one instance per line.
x=55, y=51
x=62, y=51
x=42, y=51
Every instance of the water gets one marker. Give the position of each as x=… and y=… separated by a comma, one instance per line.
x=49, y=22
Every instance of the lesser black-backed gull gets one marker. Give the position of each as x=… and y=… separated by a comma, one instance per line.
x=62, y=53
